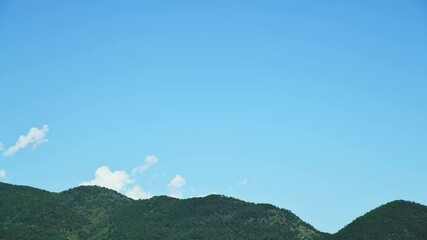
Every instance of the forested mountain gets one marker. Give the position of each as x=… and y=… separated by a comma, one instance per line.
x=90, y=212
x=397, y=220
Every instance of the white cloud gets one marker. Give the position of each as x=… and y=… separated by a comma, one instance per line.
x=176, y=186
x=205, y=195
x=2, y=173
x=138, y=193
x=34, y=138
x=121, y=181
x=148, y=162
x=1, y=147
x=178, y=181
x=104, y=177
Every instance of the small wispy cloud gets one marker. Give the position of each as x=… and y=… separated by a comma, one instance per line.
x=2, y=173
x=240, y=184
x=1, y=147
x=34, y=138
x=243, y=183
x=175, y=186
x=104, y=177
x=137, y=193
x=148, y=162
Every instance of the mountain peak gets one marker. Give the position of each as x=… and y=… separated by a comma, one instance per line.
x=399, y=219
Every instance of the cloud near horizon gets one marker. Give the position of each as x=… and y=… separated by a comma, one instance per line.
x=137, y=193
x=34, y=138
x=124, y=183
x=2, y=173
x=104, y=177
x=175, y=186
x=121, y=181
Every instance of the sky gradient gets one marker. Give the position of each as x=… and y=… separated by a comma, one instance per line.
x=317, y=107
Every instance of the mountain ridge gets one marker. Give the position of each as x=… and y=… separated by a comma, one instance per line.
x=92, y=212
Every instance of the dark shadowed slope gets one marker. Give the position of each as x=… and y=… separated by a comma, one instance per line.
x=29, y=213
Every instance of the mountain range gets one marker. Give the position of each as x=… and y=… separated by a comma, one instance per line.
x=91, y=212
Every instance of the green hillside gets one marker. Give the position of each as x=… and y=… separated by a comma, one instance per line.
x=100, y=213
x=29, y=213
x=95, y=204
x=397, y=220
x=90, y=212
x=211, y=217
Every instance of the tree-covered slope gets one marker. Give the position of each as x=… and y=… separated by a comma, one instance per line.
x=29, y=213
x=95, y=204
x=211, y=217
x=397, y=220
x=99, y=213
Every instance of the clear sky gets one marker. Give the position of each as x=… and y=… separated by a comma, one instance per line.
x=319, y=107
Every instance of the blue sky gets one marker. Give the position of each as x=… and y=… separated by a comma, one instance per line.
x=319, y=107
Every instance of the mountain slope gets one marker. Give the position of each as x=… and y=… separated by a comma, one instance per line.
x=211, y=217
x=29, y=213
x=89, y=212
x=396, y=220
x=99, y=213
x=95, y=204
